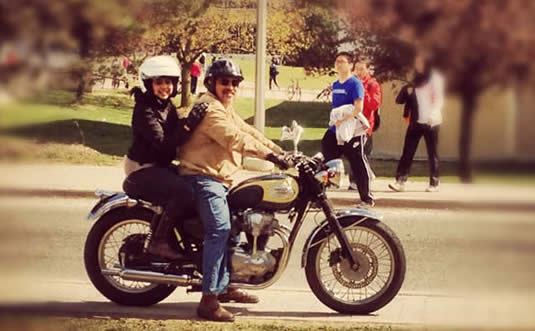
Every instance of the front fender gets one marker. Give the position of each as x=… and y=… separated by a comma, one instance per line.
x=347, y=218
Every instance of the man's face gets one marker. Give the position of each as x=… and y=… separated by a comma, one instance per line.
x=342, y=65
x=162, y=87
x=361, y=70
x=226, y=89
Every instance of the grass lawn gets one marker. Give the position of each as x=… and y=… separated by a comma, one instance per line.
x=286, y=74
x=101, y=123
x=97, y=131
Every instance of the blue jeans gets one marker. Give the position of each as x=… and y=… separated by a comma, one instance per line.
x=212, y=206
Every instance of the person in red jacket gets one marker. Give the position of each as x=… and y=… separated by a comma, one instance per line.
x=194, y=75
x=372, y=101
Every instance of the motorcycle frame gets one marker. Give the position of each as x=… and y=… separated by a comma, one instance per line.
x=331, y=225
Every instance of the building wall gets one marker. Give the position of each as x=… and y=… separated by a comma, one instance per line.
x=502, y=127
x=525, y=119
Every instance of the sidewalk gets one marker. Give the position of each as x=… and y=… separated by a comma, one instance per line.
x=80, y=181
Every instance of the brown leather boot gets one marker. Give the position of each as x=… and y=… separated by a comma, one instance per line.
x=159, y=243
x=239, y=296
x=209, y=308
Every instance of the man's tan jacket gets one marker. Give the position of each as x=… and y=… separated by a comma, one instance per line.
x=218, y=144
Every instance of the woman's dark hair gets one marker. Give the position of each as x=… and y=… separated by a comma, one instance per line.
x=136, y=92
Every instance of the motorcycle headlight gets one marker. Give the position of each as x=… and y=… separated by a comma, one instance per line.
x=334, y=173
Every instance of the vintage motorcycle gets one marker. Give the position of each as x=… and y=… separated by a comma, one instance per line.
x=354, y=263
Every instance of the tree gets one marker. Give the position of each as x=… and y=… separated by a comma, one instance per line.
x=188, y=28
x=390, y=58
x=69, y=26
x=479, y=44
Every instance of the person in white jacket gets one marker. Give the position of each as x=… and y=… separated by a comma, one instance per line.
x=425, y=97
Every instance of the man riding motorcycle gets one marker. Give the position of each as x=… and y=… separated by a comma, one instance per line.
x=207, y=161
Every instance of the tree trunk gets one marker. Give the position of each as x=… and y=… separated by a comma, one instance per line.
x=80, y=89
x=465, y=142
x=185, y=99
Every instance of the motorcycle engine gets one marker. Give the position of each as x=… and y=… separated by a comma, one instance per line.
x=251, y=262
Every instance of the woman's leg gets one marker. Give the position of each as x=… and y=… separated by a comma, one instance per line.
x=164, y=187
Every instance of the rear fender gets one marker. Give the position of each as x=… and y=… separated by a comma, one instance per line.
x=112, y=200
x=347, y=218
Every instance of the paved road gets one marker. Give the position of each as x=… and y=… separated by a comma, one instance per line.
x=464, y=268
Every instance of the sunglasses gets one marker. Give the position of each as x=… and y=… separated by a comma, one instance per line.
x=226, y=82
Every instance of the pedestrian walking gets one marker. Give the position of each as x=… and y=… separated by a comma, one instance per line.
x=424, y=102
x=372, y=101
x=273, y=73
x=348, y=91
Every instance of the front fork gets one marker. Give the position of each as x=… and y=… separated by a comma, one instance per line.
x=328, y=209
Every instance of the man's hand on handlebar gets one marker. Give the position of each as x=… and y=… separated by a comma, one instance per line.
x=280, y=160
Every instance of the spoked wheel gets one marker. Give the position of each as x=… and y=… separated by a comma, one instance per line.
x=104, y=249
x=365, y=288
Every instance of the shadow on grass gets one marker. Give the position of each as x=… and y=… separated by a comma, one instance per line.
x=106, y=138
x=112, y=99
x=307, y=114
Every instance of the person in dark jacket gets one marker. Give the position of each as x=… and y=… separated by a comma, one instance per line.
x=273, y=73
x=156, y=133
x=423, y=101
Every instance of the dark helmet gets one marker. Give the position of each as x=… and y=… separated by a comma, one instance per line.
x=221, y=68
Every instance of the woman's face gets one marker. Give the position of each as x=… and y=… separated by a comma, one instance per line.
x=162, y=87
x=226, y=89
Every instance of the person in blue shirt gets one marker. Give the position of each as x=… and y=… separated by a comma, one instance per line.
x=348, y=90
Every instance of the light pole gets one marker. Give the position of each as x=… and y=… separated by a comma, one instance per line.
x=260, y=77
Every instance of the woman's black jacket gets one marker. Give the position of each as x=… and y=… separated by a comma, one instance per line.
x=155, y=129
x=409, y=101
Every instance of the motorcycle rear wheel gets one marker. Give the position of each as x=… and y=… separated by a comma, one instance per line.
x=102, y=252
x=374, y=284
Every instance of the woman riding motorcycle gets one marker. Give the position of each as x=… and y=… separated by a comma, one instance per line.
x=207, y=161
x=156, y=132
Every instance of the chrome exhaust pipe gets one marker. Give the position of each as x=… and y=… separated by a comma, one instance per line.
x=152, y=277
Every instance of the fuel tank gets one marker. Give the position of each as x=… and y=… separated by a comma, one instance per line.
x=268, y=192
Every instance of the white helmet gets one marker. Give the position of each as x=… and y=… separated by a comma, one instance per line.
x=158, y=66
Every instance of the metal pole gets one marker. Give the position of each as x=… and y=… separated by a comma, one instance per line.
x=260, y=83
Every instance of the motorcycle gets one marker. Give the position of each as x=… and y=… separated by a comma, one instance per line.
x=354, y=263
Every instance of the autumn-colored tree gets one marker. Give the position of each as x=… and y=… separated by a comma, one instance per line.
x=479, y=44
x=188, y=28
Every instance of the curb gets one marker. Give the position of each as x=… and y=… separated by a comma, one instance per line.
x=44, y=193
x=339, y=202
x=440, y=204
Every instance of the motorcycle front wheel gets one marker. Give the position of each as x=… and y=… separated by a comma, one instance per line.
x=376, y=281
x=102, y=252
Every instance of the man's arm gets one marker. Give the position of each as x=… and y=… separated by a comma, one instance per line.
x=226, y=133
x=256, y=134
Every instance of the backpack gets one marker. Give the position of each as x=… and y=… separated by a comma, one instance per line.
x=187, y=125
